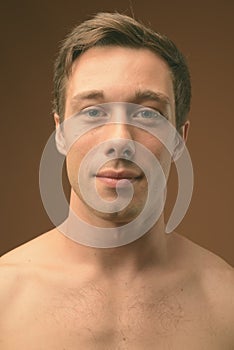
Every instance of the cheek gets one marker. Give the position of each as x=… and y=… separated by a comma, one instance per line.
x=77, y=152
x=154, y=146
x=160, y=152
x=74, y=158
x=81, y=147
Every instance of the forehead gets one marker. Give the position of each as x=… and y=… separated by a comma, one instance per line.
x=119, y=72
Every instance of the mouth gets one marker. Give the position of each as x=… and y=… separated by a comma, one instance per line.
x=122, y=178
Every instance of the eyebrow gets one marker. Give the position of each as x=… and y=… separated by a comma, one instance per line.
x=88, y=95
x=151, y=95
x=139, y=97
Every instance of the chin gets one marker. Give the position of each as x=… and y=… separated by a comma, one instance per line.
x=122, y=217
x=119, y=217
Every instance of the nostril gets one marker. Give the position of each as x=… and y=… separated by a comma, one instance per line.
x=127, y=153
x=120, y=149
x=111, y=152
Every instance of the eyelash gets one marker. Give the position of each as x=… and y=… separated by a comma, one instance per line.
x=90, y=109
x=153, y=112
x=156, y=113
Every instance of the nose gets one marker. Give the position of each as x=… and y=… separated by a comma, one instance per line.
x=121, y=144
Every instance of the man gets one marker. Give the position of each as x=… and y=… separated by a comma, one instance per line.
x=158, y=291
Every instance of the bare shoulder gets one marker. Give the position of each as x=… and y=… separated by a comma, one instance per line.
x=19, y=266
x=29, y=251
x=218, y=284
x=11, y=281
x=215, y=274
x=216, y=281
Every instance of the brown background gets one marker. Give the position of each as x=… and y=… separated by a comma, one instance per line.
x=30, y=32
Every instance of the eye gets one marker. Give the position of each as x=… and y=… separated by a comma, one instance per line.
x=148, y=113
x=93, y=112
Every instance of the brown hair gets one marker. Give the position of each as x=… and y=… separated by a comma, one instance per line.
x=116, y=29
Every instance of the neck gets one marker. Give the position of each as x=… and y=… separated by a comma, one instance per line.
x=148, y=251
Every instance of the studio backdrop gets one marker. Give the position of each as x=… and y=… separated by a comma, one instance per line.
x=30, y=36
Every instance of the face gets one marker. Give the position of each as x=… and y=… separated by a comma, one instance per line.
x=101, y=76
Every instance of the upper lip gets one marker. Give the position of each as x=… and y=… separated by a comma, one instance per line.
x=118, y=174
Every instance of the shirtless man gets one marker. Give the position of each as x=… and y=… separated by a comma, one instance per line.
x=159, y=291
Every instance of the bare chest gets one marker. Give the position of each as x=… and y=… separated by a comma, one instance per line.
x=94, y=317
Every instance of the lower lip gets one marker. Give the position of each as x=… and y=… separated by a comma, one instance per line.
x=113, y=182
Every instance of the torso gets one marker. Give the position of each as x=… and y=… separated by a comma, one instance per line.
x=53, y=309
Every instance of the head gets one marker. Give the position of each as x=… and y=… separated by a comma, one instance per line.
x=113, y=58
x=114, y=29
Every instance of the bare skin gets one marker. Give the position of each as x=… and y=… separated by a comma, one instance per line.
x=52, y=300
x=158, y=292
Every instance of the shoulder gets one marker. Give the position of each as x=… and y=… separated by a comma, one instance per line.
x=11, y=281
x=27, y=251
x=215, y=280
x=215, y=275
x=20, y=266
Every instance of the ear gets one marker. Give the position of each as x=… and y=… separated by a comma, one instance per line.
x=185, y=130
x=59, y=136
x=181, y=140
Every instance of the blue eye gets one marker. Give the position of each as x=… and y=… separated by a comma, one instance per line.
x=94, y=112
x=148, y=114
